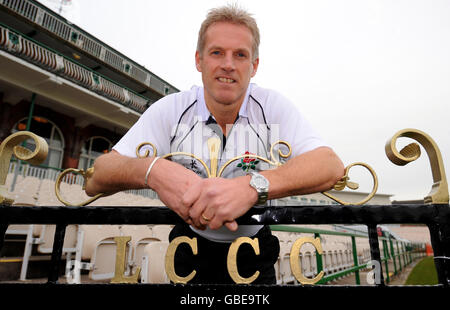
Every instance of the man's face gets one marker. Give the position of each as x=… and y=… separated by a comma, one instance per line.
x=226, y=63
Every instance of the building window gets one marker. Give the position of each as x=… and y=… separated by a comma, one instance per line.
x=51, y=133
x=93, y=148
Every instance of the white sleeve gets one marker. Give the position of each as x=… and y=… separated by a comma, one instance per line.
x=153, y=126
x=292, y=126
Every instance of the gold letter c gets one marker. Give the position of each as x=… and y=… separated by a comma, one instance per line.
x=170, y=256
x=294, y=261
x=231, y=260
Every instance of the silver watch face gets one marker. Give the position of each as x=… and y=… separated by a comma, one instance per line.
x=260, y=182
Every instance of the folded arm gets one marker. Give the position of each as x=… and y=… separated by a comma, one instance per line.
x=114, y=172
x=315, y=171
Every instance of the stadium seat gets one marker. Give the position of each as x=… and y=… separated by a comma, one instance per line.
x=103, y=261
x=161, y=232
x=88, y=239
x=141, y=235
x=153, y=263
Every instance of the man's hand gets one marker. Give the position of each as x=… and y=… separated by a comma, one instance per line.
x=216, y=202
x=171, y=181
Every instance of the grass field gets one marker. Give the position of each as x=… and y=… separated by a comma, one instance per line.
x=424, y=273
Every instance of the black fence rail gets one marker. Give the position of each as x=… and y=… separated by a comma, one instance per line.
x=435, y=216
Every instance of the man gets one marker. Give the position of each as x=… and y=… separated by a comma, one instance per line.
x=246, y=119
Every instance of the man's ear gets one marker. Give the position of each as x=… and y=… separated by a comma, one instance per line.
x=197, y=61
x=255, y=66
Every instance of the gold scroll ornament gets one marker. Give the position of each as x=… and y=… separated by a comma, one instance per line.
x=345, y=182
x=11, y=146
x=86, y=175
x=214, y=147
x=439, y=190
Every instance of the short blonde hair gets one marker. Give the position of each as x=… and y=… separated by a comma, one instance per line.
x=232, y=14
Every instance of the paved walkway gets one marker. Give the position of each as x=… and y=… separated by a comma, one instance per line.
x=398, y=279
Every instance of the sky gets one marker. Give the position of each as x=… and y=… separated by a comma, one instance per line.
x=359, y=70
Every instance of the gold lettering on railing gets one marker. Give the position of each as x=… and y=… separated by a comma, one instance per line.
x=170, y=259
x=232, y=260
x=119, y=276
x=11, y=146
x=295, y=262
x=232, y=267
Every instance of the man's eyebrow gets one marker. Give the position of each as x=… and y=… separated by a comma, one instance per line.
x=216, y=47
x=243, y=50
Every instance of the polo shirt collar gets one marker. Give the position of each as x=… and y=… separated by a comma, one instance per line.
x=202, y=109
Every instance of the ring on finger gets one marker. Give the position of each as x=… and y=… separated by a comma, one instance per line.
x=205, y=218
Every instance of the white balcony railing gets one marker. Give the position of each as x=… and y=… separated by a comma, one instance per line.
x=50, y=60
x=57, y=25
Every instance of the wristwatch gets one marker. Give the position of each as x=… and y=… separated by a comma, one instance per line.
x=261, y=184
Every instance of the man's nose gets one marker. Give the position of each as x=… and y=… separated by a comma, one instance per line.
x=228, y=62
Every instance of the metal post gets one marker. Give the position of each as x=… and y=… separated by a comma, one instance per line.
x=319, y=261
x=355, y=260
x=58, y=243
x=27, y=253
x=16, y=173
x=386, y=259
x=402, y=254
x=393, y=255
x=399, y=255
x=440, y=241
x=3, y=229
x=30, y=113
x=406, y=254
x=445, y=239
x=375, y=248
x=409, y=250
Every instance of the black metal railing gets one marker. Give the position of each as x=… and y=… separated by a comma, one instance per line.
x=435, y=216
